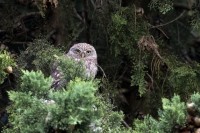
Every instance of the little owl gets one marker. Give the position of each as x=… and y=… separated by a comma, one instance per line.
x=79, y=52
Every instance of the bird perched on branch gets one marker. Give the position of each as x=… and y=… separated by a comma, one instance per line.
x=79, y=52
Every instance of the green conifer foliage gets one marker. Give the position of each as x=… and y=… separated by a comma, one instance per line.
x=195, y=98
x=39, y=55
x=75, y=108
x=70, y=68
x=182, y=77
x=163, y=6
x=173, y=114
x=28, y=111
x=35, y=83
x=124, y=40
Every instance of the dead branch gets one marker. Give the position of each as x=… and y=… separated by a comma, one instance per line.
x=93, y=4
x=2, y=31
x=26, y=15
x=50, y=34
x=156, y=26
x=162, y=32
x=148, y=43
x=183, y=6
x=25, y=30
x=78, y=16
x=19, y=43
x=104, y=75
x=125, y=124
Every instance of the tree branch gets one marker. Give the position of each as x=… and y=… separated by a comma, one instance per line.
x=162, y=32
x=19, y=43
x=26, y=15
x=77, y=15
x=156, y=26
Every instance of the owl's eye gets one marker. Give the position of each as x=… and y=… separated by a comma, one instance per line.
x=77, y=51
x=88, y=52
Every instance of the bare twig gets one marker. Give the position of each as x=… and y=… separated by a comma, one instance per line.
x=126, y=79
x=125, y=124
x=50, y=34
x=93, y=4
x=77, y=15
x=120, y=3
x=156, y=26
x=151, y=78
x=104, y=75
x=162, y=32
x=123, y=73
x=19, y=43
x=2, y=31
x=181, y=5
x=165, y=78
x=135, y=19
x=25, y=30
x=26, y=15
x=154, y=82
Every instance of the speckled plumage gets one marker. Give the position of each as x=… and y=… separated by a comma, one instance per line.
x=79, y=52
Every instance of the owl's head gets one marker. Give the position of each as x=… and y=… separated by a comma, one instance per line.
x=82, y=51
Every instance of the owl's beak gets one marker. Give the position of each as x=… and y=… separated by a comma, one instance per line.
x=82, y=55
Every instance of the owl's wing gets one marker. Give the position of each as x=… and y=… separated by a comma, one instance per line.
x=56, y=74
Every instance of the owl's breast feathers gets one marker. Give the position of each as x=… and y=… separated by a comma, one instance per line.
x=91, y=68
